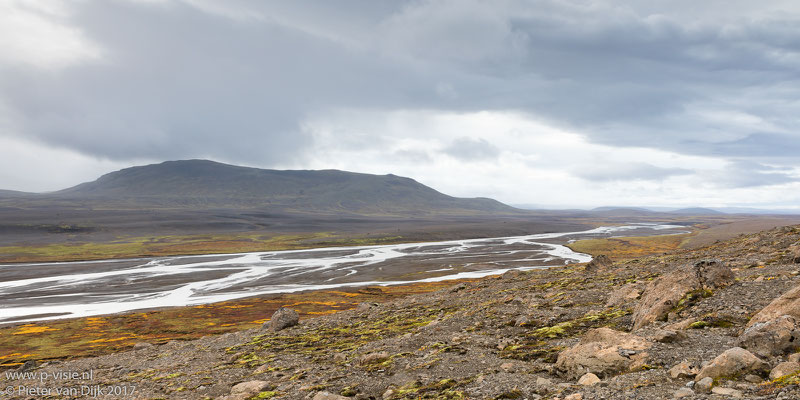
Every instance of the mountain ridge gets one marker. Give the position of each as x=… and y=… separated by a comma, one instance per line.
x=204, y=183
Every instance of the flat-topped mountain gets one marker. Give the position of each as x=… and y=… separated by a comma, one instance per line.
x=199, y=183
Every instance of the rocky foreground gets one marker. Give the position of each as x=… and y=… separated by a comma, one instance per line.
x=718, y=322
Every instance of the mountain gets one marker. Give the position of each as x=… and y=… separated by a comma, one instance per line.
x=203, y=183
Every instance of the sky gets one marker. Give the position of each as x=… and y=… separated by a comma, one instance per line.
x=555, y=103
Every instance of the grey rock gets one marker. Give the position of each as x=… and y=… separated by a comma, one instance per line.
x=282, y=318
x=704, y=385
x=771, y=338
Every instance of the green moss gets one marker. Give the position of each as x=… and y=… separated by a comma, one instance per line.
x=265, y=395
x=698, y=325
x=786, y=380
x=349, y=391
x=343, y=339
x=578, y=325
x=691, y=298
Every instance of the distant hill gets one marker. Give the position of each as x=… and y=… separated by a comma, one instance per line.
x=202, y=183
x=623, y=211
x=13, y=194
x=696, y=211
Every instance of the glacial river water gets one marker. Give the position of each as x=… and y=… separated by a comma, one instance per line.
x=30, y=292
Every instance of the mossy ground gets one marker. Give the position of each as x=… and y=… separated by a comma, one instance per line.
x=82, y=337
x=623, y=248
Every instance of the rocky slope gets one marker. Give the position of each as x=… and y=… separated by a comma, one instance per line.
x=717, y=322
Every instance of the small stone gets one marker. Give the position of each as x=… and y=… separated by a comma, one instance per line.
x=723, y=391
x=589, y=379
x=574, y=396
x=783, y=369
x=250, y=388
x=366, y=307
x=503, y=343
x=682, y=392
x=543, y=382
x=374, y=358
x=704, y=385
x=521, y=321
x=28, y=366
x=753, y=378
x=507, y=367
x=668, y=336
x=142, y=345
x=794, y=357
x=328, y=396
x=282, y=318
x=261, y=369
x=388, y=393
x=339, y=357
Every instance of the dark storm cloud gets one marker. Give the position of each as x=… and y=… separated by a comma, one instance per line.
x=236, y=80
x=627, y=171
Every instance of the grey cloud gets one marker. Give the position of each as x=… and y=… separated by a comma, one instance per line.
x=627, y=172
x=413, y=156
x=746, y=174
x=236, y=80
x=469, y=149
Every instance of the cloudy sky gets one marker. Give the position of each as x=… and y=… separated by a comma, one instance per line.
x=559, y=103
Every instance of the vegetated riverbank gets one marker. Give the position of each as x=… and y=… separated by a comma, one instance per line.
x=685, y=323
x=80, y=337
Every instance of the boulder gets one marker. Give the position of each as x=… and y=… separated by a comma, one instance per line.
x=624, y=296
x=733, y=362
x=666, y=292
x=599, y=263
x=588, y=379
x=27, y=366
x=771, y=338
x=510, y=274
x=793, y=254
x=603, y=352
x=282, y=319
x=786, y=304
x=783, y=369
x=713, y=274
x=682, y=370
x=249, y=389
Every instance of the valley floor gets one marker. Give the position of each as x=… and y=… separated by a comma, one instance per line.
x=535, y=334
